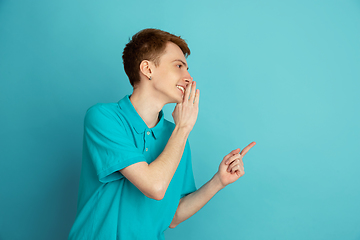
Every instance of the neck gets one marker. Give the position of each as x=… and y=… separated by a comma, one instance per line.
x=147, y=106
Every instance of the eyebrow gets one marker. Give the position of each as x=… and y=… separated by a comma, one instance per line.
x=182, y=62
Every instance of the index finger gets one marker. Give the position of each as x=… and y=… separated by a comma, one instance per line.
x=193, y=92
x=187, y=93
x=247, y=148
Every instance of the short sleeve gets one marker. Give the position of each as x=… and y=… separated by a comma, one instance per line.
x=189, y=182
x=109, y=146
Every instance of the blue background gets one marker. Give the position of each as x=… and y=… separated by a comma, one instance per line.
x=282, y=73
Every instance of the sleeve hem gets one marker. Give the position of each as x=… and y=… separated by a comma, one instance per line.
x=112, y=173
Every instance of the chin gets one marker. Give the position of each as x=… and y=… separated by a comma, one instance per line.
x=179, y=100
x=176, y=99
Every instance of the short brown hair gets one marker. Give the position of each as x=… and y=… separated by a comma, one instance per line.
x=148, y=44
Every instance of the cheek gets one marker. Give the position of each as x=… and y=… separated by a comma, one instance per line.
x=167, y=76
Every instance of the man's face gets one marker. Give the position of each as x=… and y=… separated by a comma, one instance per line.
x=171, y=76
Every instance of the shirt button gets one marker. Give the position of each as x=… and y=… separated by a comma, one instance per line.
x=146, y=149
x=148, y=133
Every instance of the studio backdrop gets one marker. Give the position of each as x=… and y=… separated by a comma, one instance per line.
x=282, y=73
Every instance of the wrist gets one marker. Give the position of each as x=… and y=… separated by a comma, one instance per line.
x=217, y=182
x=182, y=130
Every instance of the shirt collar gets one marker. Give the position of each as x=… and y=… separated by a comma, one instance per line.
x=135, y=119
x=159, y=126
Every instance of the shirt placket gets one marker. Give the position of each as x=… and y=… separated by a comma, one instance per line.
x=147, y=136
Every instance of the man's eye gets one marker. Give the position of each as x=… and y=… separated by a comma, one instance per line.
x=179, y=66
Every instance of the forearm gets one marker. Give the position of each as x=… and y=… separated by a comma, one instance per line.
x=193, y=202
x=163, y=168
x=231, y=169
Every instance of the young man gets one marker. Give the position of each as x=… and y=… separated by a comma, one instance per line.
x=136, y=178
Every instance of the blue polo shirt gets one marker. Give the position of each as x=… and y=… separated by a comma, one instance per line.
x=110, y=206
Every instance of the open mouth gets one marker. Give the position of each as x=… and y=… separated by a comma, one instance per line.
x=181, y=88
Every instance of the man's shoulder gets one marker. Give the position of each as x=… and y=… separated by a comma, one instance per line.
x=101, y=112
x=103, y=109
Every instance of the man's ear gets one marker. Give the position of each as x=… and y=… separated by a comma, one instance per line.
x=145, y=68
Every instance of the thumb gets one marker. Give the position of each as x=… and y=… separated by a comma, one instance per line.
x=232, y=153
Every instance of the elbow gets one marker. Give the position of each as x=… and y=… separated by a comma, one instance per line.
x=174, y=222
x=158, y=196
x=172, y=225
x=157, y=192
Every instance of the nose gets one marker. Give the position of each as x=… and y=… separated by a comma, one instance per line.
x=188, y=79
